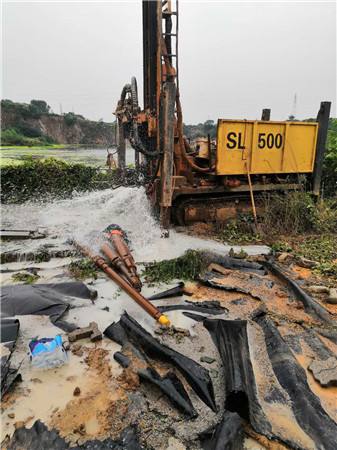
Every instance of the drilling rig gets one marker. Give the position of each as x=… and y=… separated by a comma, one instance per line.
x=211, y=181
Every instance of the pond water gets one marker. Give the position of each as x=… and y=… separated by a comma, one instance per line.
x=89, y=156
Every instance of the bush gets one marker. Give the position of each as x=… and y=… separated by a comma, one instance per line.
x=35, y=109
x=12, y=137
x=38, y=107
x=28, y=130
x=292, y=213
x=38, y=179
x=70, y=119
x=329, y=176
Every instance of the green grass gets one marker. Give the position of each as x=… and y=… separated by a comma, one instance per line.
x=26, y=278
x=82, y=269
x=186, y=267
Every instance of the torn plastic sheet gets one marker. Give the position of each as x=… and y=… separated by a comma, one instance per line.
x=128, y=330
x=226, y=435
x=292, y=377
x=234, y=263
x=173, y=292
x=310, y=305
x=9, y=333
x=210, y=279
x=206, y=307
x=172, y=387
x=43, y=299
x=40, y=438
x=231, y=339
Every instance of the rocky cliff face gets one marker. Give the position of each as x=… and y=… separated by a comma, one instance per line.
x=62, y=131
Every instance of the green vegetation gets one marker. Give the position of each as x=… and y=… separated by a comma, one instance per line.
x=70, y=119
x=38, y=179
x=186, y=267
x=26, y=278
x=292, y=223
x=319, y=248
x=290, y=214
x=32, y=110
x=13, y=136
x=329, y=180
x=200, y=130
x=82, y=269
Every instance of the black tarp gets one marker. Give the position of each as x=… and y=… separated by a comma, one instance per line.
x=40, y=438
x=128, y=330
x=43, y=299
x=231, y=339
x=172, y=387
x=227, y=435
x=292, y=377
x=9, y=333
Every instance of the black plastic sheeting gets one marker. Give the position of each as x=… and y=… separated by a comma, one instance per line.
x=227, y=435
x=212, y=307
x=292, y=377
x=310, y=305
x=128, y=330
x=40, y=438
x=234, y=263
x=9, y=329
x=9, y=333
x=209, y=279
x=231, y=339
x=172, y=387
x=43, y=299
x=173, y=292
x=122, y=359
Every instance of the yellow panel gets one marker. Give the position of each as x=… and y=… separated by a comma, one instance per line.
x=265, y=147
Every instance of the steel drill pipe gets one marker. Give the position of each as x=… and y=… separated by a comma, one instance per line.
x=116, y=238
x=136, y=296
x=117, y=262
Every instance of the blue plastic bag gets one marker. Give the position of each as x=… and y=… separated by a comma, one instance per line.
x=46, y=353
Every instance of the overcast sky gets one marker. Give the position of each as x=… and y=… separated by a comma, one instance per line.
x=235, y=58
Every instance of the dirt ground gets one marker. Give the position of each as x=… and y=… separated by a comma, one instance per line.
x=100, y=399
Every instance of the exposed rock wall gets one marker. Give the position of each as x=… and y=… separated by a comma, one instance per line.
x=82, y=131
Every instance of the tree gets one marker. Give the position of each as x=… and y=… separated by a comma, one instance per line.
x=38, y=107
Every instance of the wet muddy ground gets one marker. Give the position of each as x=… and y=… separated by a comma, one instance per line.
x=92, y=396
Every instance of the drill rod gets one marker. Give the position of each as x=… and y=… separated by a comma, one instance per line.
x=136, y=296
x=117, y=262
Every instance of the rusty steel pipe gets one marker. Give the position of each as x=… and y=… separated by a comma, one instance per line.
x=116, y=238
x=117, y=262
x=136, y=296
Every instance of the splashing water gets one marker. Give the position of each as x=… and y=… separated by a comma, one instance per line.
x=85, y=216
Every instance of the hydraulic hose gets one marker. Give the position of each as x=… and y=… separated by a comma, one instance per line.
x=183, y=142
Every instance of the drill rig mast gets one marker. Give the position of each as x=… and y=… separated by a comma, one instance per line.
x=156, y=132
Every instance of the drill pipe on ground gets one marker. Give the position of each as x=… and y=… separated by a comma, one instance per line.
x=116, y=237
x=117, y=263
x=123, y=284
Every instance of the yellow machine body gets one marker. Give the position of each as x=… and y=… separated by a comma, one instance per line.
x=265, y=147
